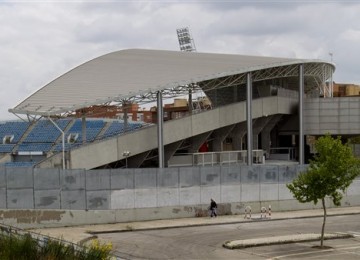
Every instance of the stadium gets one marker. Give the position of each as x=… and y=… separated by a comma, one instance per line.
x=235, y=128
x=143, y=76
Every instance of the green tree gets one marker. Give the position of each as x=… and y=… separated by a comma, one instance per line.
x=330, y=173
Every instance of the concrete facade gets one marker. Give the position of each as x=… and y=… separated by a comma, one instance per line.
x=111, y=150
x=338, y=115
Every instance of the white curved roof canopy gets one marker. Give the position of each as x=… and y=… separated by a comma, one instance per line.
x=127, y=73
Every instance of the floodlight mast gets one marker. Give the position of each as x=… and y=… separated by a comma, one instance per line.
x=186, y=42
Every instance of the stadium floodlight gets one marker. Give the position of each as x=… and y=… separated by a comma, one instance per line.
x=186, y=43
x=126, y=154
x=331, y=56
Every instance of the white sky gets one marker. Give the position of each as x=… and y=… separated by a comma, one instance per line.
x=41, y=40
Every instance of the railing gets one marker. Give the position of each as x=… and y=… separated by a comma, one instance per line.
x=226, y=157
x=216, y=158
x=282, y=153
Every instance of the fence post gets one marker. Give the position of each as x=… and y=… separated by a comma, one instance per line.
x=6, y=188
x=33, y=179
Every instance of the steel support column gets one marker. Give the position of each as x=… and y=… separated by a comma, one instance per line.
x=83, y=128
x=249, y=118
x=160, y=133
x=301, y=115
x=331, y=82
x=190, y=101
x=125, y=115
x=62, y=141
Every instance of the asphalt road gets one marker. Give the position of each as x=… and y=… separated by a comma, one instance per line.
x=206, y=242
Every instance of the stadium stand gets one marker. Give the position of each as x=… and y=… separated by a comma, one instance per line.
x=6, y=148
x=45, y=131
x=15, y=128
x=44, y=137
x=30, y=147
x=224, y=79
x=93, y=128
x=19, y=164
x=118, y=127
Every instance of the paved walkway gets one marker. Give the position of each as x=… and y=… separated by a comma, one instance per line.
x=81, y=234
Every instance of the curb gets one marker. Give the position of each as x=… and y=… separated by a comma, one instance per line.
x=239, y=244
x=83, y=241
x=255, y=220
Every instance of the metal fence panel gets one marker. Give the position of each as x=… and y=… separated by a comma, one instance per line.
x=189, y=177
x=47, y=199
x=210, y=176
x=230, y=175
x=19, y=178
x=97, y=180
x=73, y=199
x=250, y=174
x=20, y=199
x=3, y=198
x=99, y=199
x=269, y=174
x=73, y=179
x=122, y=179
x=46, y=179
x=145, y=178
x=2, y=177
x=168, y=178
x=287, y=173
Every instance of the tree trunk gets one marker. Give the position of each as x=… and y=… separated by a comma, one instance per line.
x=324, y=221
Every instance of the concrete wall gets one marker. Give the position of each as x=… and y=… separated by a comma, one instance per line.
x=52, y=197
x=38, y=218
x=338, y=115
x=27, y=188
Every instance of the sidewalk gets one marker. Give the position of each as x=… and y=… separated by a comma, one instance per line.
x=81, y=234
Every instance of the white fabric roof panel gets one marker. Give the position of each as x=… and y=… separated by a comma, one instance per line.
x=127, y=73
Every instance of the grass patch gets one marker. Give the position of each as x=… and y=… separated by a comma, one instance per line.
x=25, y=247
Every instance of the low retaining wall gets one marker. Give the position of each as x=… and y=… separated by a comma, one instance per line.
x=58, y=218
x=51, y=197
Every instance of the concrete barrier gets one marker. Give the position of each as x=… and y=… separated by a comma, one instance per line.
x=161, y=193
x=57, y=218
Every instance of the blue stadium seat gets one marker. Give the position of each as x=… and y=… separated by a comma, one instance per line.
x=44, y=136
x=19, y=164
x=32, y=147
x=6, y=148
x=16, y=128
x=45, y=132
x=93, y=128
x=116, y=127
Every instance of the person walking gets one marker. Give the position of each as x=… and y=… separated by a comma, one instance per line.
x=213, y=207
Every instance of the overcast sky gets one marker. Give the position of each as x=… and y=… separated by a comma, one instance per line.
x=41, y=40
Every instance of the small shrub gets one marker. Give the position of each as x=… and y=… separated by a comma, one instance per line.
x=57, y=250
x=13, y=247
x=25, y=247
x=99, y=251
